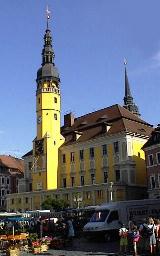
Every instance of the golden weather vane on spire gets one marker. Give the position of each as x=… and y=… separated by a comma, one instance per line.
x=48, y=15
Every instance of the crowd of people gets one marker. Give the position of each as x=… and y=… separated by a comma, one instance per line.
x=57, y=227
x=144, y=238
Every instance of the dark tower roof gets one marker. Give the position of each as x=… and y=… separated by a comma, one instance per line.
x=128, y=99
x=48, y=71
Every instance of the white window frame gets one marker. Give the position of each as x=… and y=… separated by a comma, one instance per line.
x=157, y=157
x=149, y=160
x=150, y=178
x=159, y=180
x=104, y=150
x=72, y=157
x=116, y=145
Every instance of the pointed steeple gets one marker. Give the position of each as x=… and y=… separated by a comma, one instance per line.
x=48, y=71
x=128, y=99
x=47, y=52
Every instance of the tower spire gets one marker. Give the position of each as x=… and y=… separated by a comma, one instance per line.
x=48, y=71
x=128, y=99
x=48, y=16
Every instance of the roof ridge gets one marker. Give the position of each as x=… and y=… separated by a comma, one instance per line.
x=135, y=118
x=95, y=111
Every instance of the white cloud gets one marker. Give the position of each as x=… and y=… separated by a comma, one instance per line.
x=149, y=64
x=156, y=60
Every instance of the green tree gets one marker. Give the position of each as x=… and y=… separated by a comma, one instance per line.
x=54, y=204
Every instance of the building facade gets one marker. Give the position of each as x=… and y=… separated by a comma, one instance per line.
x=25, y=183
x=90, y=159
x=152, y=156
x=11, y=170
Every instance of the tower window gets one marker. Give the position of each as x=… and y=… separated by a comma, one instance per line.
x=55, y=100
x=39, y=100
x=55, y=116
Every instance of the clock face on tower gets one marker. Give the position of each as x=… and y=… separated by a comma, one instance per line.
x=39, y=147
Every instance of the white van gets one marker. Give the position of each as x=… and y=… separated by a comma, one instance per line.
x=109, y=217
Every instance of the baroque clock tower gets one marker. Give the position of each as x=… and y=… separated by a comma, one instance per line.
x=48, y=106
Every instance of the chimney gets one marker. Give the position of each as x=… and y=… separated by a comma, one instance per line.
x=68, y=120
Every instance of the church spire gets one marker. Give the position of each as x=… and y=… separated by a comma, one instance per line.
x=48, y=13
x=128, y=99
x=48, y=71
x=47, y=52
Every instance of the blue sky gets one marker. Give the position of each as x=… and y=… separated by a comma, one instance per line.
x=91, y=39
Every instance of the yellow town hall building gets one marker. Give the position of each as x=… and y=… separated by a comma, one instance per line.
x=94, y=158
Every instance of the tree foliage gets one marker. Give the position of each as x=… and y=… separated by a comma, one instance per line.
x=54, y=204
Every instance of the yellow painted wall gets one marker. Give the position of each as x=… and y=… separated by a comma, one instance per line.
x=48, y=128
x=99, y=176
x=98, y=165
x=140, y=162
x=111, y=175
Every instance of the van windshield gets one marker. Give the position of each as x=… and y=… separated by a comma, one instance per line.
x=99, y=216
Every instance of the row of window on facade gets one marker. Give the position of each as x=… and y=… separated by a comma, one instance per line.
x=3, y=192
x=86, y=195
x=154, y=181
x=154, y=159
x=39, y=119
x=93, y=179
x=91, y=152
x=20, y=200
x=2, y=202
x=55, y=100
x=4, y=180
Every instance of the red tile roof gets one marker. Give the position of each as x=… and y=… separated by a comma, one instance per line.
x=154, y=138
x=12, y=162
x=118, y=118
